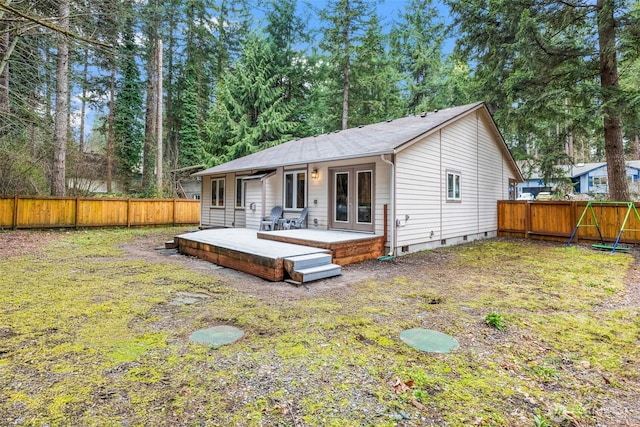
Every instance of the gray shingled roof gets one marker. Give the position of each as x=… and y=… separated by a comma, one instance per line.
x=370, y=140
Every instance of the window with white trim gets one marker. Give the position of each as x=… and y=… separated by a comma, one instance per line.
x=295, y=189
x=217, y=192
x=239, y=193
x=453, y=186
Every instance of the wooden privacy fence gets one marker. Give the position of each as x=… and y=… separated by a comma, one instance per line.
x=66, y=212
x=556, y=220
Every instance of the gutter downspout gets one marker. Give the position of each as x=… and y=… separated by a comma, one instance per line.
x=392, y=203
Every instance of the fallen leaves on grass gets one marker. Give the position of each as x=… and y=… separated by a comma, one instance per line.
x=400, y=386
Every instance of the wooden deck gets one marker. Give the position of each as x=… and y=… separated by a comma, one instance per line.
x=346, y=247
x=263, y=253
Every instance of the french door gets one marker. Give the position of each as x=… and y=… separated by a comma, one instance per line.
x=351, y=198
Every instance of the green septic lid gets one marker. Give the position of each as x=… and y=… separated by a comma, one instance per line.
x=217, y=335
x=429, y=340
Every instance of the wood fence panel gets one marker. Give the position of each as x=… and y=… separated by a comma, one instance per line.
x=7, y=206
x=511, y=217
x=102, y=213
x=187, y=211
x=50, y=212
x=556, y=220
x=150, y=211
x=40, y=212
x=550, y=219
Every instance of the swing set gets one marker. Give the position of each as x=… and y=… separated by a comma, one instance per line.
x=631, y=207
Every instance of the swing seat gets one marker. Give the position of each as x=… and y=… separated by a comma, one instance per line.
x=609, y=247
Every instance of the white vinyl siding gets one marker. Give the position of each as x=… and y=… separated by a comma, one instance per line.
x=492, y=180
x=467, y=148
x=418, y=192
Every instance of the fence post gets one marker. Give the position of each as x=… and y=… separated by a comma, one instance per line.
x=14, y=220
x=129, y=213
x=75, y=219
x=527, y=220
x=174, y=212
x=574, y=218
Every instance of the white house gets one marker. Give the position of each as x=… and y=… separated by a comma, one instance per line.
x=436, y=177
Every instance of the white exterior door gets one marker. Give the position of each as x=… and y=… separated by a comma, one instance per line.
x=351, y=198
x=253, y=203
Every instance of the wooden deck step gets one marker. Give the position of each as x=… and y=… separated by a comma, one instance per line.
x=306, y=268
x=319, y=272
x=307, y=261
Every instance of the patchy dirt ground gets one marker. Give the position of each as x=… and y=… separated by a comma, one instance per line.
x=320, y=354
x=410, y=267
x=22, y=242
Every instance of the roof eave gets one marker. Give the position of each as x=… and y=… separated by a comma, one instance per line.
x=284, y=165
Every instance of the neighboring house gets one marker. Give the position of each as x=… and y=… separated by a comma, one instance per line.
x=591, y=178
x=185, y=185
x=86, y=175
x=436, y=178
x=587, y=178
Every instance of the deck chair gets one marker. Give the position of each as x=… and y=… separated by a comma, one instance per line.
x=272, y=220
x=297, y=222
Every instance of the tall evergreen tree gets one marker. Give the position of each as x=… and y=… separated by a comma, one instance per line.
x=550, y=69
x=287, y=32
x=417, y=41
x=58, y=171
x=375, y=93
x=128, y=128
x=191, y=144
x=344, y=24
x=251, y=111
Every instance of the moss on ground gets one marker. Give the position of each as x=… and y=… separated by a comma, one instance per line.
x=90, y=337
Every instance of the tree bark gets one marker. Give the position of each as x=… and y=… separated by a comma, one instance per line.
x=4, y=72
x=110, y=130
x=58, y=178
x=346, y=70
x=83, y=108
x=613, y=143
x=148, y=158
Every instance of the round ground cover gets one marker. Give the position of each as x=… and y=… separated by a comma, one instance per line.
x=217, y=335
x=429, y=340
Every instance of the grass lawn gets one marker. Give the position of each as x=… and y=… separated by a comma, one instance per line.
x=92, y=333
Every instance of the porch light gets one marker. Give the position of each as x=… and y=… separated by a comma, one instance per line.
x=314, y=173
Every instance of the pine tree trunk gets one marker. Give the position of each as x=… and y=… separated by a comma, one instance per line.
x=613, y=143
x=4, y=75
x=346, y=70
x=110, y=131
x=83, y=108
x=58, y=178
x=148, y=158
